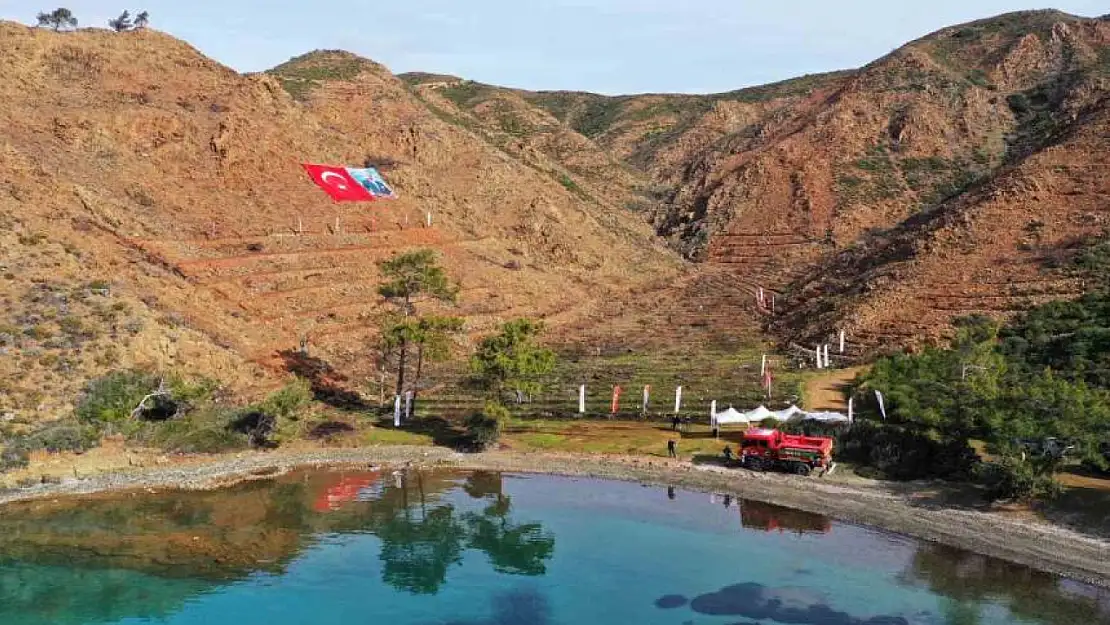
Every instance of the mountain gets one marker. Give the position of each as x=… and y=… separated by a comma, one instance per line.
x=870, y=200
x=155, y=213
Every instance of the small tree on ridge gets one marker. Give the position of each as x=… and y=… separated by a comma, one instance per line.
x=58, y=19
x=121, y=23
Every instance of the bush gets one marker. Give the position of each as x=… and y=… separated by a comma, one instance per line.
x=207, y=430
x=902, y=453
x=483, y=429
x=111, y=398
x=1014, y=479
x=55, y=438
x=289, y=401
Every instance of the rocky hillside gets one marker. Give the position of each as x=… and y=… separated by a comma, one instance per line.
x=155, y=212
x=801, y=186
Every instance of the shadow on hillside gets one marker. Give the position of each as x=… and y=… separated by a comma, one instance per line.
x=327, y=383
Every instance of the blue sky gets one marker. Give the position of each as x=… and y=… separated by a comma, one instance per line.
x=606, y=46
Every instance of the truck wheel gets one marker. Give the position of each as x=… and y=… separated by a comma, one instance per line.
x=801, y=469
x=754, y=464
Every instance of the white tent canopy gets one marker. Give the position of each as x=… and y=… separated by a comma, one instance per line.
x=731, y=416
x=787, y=414
x=758, y=414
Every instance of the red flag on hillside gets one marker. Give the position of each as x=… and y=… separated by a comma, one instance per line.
x=767, y=379
x=338, y=183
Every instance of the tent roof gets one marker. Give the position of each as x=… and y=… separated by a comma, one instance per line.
x=758, y=414
x=731, y=415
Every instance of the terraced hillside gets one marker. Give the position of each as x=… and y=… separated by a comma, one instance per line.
x=793, y=184
x=166, y=192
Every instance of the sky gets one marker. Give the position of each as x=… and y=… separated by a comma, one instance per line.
x=604, y=46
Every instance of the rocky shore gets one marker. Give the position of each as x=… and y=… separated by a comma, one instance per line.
x=1039, y=545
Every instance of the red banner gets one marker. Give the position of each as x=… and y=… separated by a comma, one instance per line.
x=337, y=183
x=616, y=399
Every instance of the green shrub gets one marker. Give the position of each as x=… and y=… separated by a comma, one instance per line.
x=288, y=402
x=904, y=453
x=56, y=437
x=1019, y=480
x=206, y=430
x=483, y=429
x=65, y=437
x=16, y=454
x=111, y=398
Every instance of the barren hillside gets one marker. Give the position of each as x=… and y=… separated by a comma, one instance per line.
x=787, y=183
x=155, y=212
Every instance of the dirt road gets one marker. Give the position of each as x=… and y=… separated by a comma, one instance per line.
x=829, y=392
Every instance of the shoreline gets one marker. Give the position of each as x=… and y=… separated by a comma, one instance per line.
x=1039, y=545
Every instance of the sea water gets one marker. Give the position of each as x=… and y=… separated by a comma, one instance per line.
x=440, y=547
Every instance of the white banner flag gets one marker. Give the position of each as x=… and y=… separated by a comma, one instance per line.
x=677, y=399
x=647, y=396
x=763, y=367
x=882, y=408
x=828, y=363
x=408, y=405
x=396, y=411
x=713, y=413
x=842, y=341
x=582, y=399
x=850, y=399
x=818, y=351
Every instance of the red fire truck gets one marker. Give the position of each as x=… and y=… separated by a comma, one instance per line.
x=763, y=449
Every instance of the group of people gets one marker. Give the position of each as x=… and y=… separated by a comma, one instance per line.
x=682, y=423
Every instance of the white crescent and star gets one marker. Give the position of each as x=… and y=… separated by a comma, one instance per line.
x=341, y=185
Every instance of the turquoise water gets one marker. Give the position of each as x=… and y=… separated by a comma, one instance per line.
x=326, y=548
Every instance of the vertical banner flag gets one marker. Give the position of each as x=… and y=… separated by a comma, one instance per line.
x=713, y=416
x=582, y=399
x=350, y=184
x=767, y=381
x=396, y=411
x=850, y=401
x=408, y=404
x=819, y=357
x=882, y=407
x=842, y=341
x=763, y=367
x=677, y=399
x=647, y=397
x=616, y=399
x=828, y=363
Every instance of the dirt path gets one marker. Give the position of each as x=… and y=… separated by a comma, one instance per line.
x=1039, y=545
x=828, y=392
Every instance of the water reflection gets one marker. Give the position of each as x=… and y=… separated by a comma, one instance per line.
x=150, y=556
x=92, y=556
x=970, y=581
x=769, y=517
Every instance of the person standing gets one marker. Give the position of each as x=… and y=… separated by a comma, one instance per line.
x=672, y=448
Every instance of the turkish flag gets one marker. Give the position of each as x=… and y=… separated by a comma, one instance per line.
x=337, y=183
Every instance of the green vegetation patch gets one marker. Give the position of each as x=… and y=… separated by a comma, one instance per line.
x=300, y=75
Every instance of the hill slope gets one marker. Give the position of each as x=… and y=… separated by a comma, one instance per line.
x=155, y=212
x=797, y=185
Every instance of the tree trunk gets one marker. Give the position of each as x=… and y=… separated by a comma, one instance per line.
x=403, y=349
x=419, y=373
